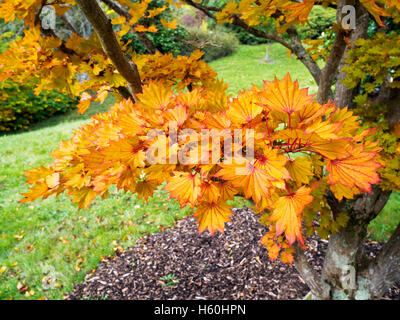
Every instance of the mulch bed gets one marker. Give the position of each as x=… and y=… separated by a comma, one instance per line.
x=233, y=265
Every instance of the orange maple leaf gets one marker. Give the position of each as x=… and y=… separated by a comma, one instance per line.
x=155, y=96
x=284, y=96
x=184, y=187
x=356, y=170
x=242, y=109
x=254, y=180
x=287, y=212
x=212, y=216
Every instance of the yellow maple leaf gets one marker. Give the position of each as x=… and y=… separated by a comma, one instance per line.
x=83, y=196
x=212, y=216
x=300, y=170
x=184, y=187
x=356, y=170
x=169, y=24
x=284, y=96
x=287, y=214
x=155, y=96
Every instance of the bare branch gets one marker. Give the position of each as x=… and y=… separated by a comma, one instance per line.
x=329, y=72
x=318, y=287
x=303, y=55
x=68, y=24
x=102, y=26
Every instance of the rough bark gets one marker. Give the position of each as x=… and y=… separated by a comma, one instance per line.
x=319, y=289
x=344, y=96
x=103, y=27
x=384, y=271
x=345, y=259
x=328, y=73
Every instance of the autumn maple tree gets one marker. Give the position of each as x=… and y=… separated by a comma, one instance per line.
x=323, y=164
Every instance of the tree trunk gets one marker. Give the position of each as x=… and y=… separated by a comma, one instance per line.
x=345, y=261
x=343, y=95
x=347, y=272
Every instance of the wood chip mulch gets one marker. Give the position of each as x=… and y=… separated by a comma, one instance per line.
x=181, y=264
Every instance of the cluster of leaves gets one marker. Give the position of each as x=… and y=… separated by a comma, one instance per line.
x=287, y=13
x=376, y=57
x=20, y=107
x=180, y=72
x=319, y=20
x=301, y=148
x=316, y=49
x=370, y=63
x=56, y=62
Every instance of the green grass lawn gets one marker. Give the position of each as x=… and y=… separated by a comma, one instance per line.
x=49, y=245
x=244, y=68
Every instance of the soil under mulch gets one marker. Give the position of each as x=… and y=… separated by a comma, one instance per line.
x=233, y=265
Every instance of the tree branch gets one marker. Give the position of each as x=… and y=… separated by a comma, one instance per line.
x=295, y=45
x=69, y=25
x=143, y=38
x=109, y=42
x=319, y=289
x=303, y=55
x=344, y=96
x=329, y=72
x=385, y=268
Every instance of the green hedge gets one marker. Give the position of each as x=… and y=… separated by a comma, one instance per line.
x=319, y=20
x=20, y=107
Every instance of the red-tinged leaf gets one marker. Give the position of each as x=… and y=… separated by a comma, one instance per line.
x=284, y=96
x=356, y=170
x=254, y=181
x=184, y=187
x=287, y=213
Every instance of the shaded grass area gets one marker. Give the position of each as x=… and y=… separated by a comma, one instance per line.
x=386, y=222
x=47, y=246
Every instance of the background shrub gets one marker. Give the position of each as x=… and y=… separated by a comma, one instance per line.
x=20, y=107
x=243, y=36
x=216, y=43
x=319, y=20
